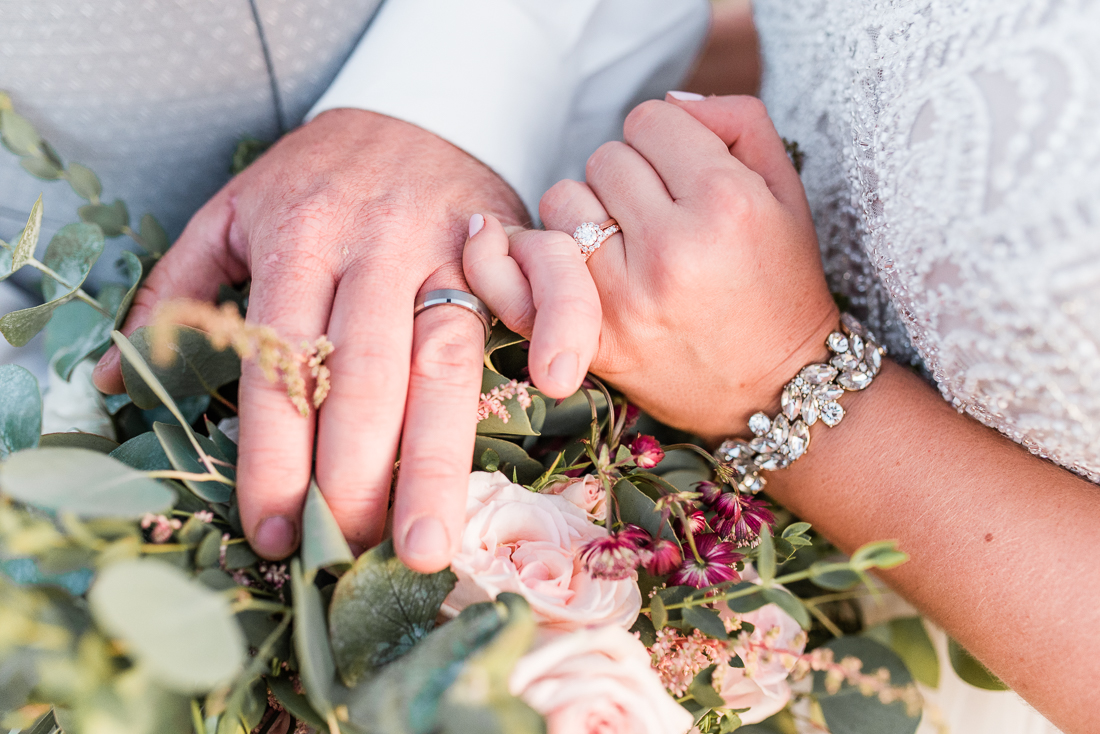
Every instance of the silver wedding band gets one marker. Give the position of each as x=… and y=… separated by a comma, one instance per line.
x=452, y=297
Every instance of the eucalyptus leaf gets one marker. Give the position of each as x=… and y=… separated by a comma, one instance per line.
x=28, y=241
x=93, y=339
x=82, y=482
x=153, y=236
x=71, y=253
x=111, y=218
x=18, y=133
x=909, y=639
x=749, y=602
x=706, y=621
x=20, y=410
x=177, y=446
x=84, y=182
x=657, y=612
x=518, y=423
x=509, y=457
x=850, y=712
x=198, y=368
x=41, y=168
x=702, y=689
x=323, y=544
x=78, y=440
x=971, y=670
x=143, y=452
x=223, y=442
x=381, y=609
x=295, y=703
x=179, y=630
x=131, y=268
x=501, y=336
x=311, y=642
x=833, y=579
x=637, y=508
x=789, y=603
x=573, y=414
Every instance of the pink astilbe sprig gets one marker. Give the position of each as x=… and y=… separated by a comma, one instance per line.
x=616, y=555
x=160, y=527
x=714, y=565
x=492, y=402
x=678, y=658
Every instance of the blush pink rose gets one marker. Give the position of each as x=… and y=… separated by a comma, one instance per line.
x=761, y=686
x=526, y=543
x=597, y=681
x=585, y=492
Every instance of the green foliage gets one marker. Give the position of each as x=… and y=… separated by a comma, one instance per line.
x=381, y=609
x=637, y=508
x=111, y=218
x=84, y=182
x=706, y=621
x=20, y=410
x=183, y=633
x=849, y=711
x=153, y=237
x=198, y=368
x=183, y=456
x=702, y=689
x=507, y=458
x=71, y=254
x=909, y=639
x=311, y=643
x=323, y=544
x=28, y=240
x=971, y=670
x=81, y=482
x=519, y=424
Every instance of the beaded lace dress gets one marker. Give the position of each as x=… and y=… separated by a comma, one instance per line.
x=952, y=159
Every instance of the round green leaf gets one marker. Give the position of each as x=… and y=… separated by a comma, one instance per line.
x=909, y=639
x=850, y=712
x=20, y=410
x=40, y=168
x=111, y=218
x=78, y=440
x=970, y=668
x=84, y=182
x=183, y=633
x=82, y=482
x=197, y=369
x=18, y=134
x=153, y=236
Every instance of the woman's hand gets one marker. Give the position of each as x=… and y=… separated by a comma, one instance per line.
x=714, y=295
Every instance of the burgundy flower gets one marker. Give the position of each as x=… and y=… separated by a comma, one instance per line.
x=740, y=517
x=717, y=566
x=696, y=522
x=663, y=556
x=632, y=414
x=616, y=555
x=710, y=491
x=647, y=452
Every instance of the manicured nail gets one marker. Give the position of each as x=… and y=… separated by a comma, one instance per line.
x=275, y=538
x=476, y=223
x=563, y=370
x=686, y=96
x=427, y=539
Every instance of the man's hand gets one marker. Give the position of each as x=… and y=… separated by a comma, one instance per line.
x=340, y=225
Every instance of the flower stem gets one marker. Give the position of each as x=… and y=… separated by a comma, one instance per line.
x=79, y=292
x=190, y=476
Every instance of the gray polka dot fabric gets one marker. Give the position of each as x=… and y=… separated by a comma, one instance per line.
x=154, y=95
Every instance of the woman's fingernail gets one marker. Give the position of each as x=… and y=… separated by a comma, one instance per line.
x=476, y=223
x=563, y=369
x=427, y=539
x=686, y=96
x=276, y=537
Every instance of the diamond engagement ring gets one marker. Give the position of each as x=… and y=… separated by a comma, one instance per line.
x=589, y=236
x=811, y=396
x=452, y=297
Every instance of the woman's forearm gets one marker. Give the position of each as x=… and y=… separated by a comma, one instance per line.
x=1001, y=543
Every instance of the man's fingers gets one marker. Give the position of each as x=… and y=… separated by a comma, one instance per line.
x=438, y=437
x=568, y=317
x=495, y=277
x=194, y=268
x=292, y=293
x=360, y=422
x=745, y=128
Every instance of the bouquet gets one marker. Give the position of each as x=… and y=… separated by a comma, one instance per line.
x=613, y=575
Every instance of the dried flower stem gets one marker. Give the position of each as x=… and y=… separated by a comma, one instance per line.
x=225, y=328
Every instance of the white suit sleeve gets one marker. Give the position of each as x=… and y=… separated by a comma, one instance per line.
x=528, y=87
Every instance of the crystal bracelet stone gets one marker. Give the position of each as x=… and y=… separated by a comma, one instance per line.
x=811, y=396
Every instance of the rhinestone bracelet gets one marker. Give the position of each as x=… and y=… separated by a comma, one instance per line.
x=811, y=396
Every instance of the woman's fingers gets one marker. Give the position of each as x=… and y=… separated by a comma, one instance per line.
x=743, y=125
x=570, y=203
x=538, y=285
x=495, y=277
x=566, y=333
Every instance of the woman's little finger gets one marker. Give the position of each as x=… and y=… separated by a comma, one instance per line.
x=495, y=277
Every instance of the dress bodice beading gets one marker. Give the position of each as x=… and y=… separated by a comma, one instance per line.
x=951, y=160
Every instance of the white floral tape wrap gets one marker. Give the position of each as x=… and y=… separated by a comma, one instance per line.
x=811, y=396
